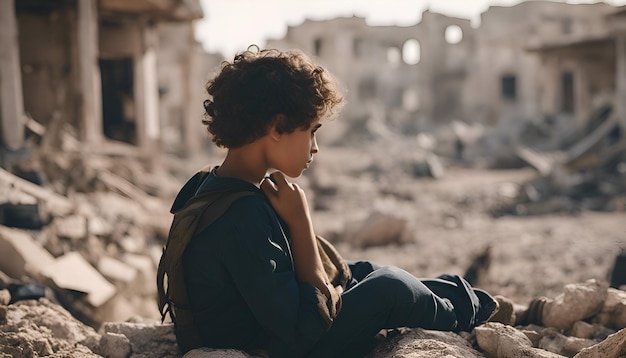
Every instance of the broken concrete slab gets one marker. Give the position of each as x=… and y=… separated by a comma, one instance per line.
x=71, y=271
x=57, y=204
x=116, y=270
x=73, y=227
x=21, y=254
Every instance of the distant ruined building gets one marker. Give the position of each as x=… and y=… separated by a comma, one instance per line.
x=524, y=65
x=126, y=76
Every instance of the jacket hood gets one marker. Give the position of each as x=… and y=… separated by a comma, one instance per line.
x=205, y=181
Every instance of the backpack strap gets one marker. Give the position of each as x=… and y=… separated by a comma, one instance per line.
x=198, y=213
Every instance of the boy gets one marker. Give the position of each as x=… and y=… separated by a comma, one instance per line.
x=254, y=274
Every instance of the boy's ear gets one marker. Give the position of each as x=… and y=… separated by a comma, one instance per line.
x=274, y=132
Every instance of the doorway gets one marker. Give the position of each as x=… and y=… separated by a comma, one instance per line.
x=118, y=105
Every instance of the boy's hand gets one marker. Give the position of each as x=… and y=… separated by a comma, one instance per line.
x=288, y=199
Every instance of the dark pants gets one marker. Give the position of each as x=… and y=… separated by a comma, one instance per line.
x=389, y=297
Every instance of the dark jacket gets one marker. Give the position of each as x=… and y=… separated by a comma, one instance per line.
x=240, y=278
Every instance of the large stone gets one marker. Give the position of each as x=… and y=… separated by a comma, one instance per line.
x=73, y=227
x=146, y=340
x=613, y=312
x=577, y=302
x=582, y=329
x=42, y=328
x=555, y=342
x=116, y=270
x=21, y=254
x=420, y=343
x=380, y=229
x=506, y=311
x=612, y=347
x=5, y=297
x=114, y=345
x=71, y=271
x=146, y=273
x=217, y=353
x=499, y=340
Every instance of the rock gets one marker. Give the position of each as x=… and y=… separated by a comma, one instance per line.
x=613, y=312
x=612, y=347
x=38, y=328
x=71, y=271
x=5, y=297
x=582, y=329
x=116, y=270
x=73, y=227
x=380, y=229
x=506, y=312
x=114, y=345
x=146, y=340
x=21, y=254
x=577, y=302
x=555, y=342
x=421, y=343
x=146, y=271
x=499, y=340
x=217, y=353
x=98, y=226
x=533, y=335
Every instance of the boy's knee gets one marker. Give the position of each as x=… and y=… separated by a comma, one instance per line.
x=398, y=285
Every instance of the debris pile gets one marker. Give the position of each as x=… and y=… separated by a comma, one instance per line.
x=589, y=173
x=84, y=228
x=587, y=320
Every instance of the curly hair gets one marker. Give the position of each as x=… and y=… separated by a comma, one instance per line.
x=249, y=92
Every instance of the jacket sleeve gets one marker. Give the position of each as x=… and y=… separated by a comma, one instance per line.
x=260, y=264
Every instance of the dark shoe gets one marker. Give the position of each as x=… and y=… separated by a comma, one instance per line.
x=488, y=306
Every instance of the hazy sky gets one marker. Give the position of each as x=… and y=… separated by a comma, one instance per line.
x=229, y=26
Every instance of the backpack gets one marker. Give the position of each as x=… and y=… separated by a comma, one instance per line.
x=195, y=215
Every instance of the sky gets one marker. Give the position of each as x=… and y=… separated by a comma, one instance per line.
x=230, y=26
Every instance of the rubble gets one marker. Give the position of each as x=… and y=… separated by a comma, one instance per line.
x=585, y=173
x=72, y=272
x=32, y=328
x=97, y=234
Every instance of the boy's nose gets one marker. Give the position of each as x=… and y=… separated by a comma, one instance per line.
x=314, y=148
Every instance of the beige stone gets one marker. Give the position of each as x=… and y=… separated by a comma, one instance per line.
x=612, y=347
x=71, y=271
x=582, y=329
x=116, y=270
x=114, y=345
x=499, y=340
x=147, y=340
x=72, y=227
x=577, y=302
x=614, y=310
x=21, y=254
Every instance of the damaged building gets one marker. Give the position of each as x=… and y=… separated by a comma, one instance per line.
x=399, y=75
x=98, y=66
x=91, y=92
x=443, y=70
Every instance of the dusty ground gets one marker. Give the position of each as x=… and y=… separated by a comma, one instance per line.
x=531, y=256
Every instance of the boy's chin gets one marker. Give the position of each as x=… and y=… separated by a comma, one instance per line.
x=294, y=174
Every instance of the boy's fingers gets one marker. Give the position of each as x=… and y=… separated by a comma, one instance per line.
x=268, y=187
x=279, y=179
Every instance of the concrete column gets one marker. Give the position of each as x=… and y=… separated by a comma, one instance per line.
x=90, y=87
x=550, y=98
x=620, y=80
x=11, y=97
x=194, y=130
x=582, y=100
x=147, y=93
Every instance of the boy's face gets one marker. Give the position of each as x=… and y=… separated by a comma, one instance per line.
x=294, y=151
